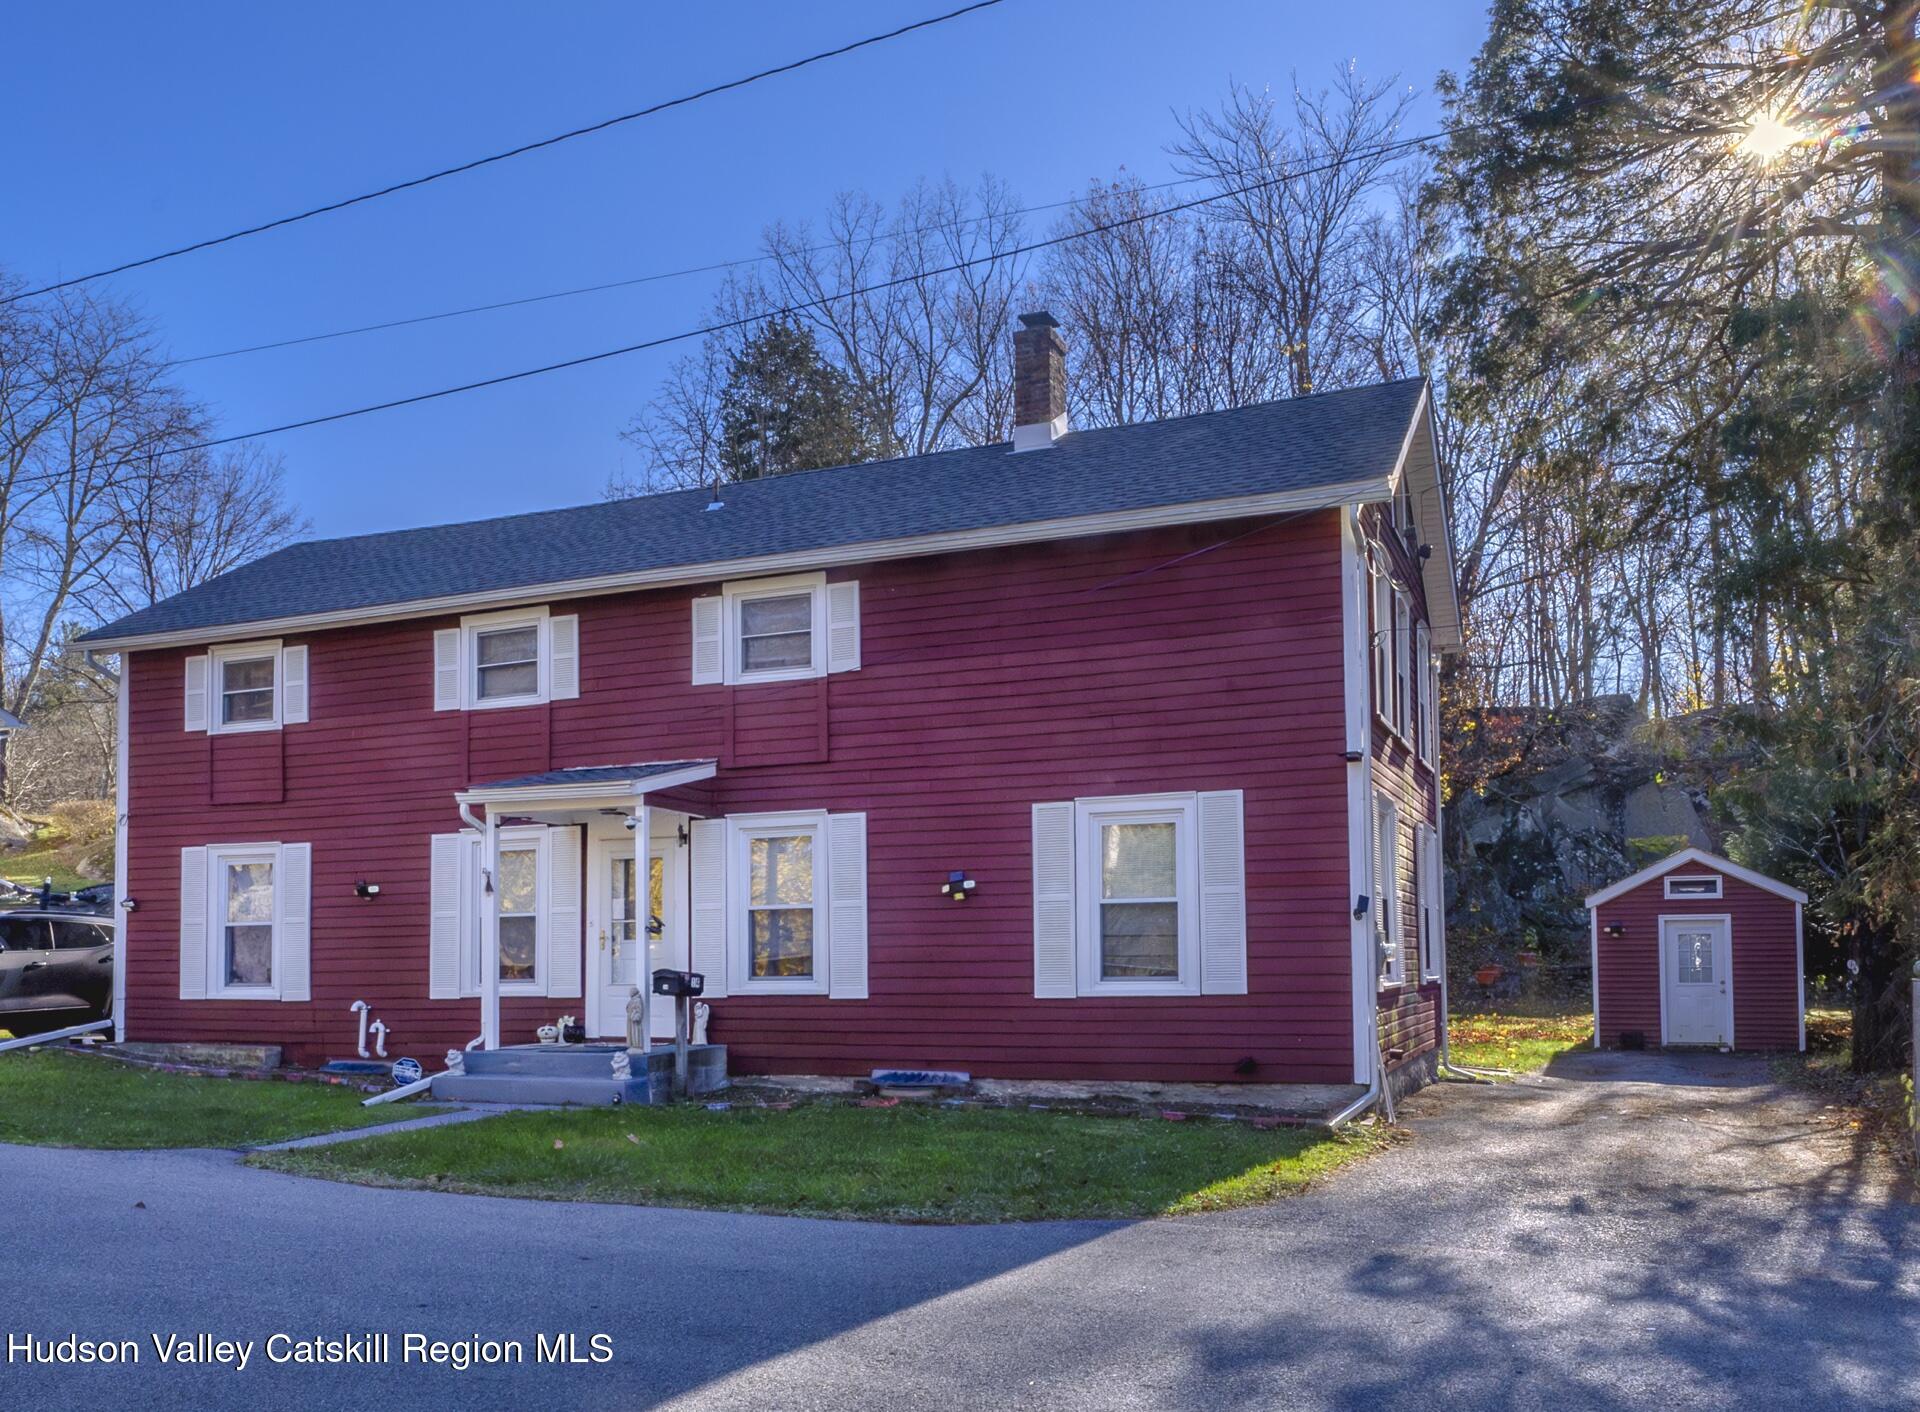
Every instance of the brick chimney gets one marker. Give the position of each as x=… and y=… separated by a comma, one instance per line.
x=1039, y=383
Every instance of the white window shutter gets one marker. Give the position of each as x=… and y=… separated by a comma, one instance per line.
x=293, y=879
x=198, y=670
x=708, y=615
x=709, y=889
x=446, y=669
x=1223, y=893
x=843, y=627
x=443, y=917
x=293, y=685
x=193, y=923
x=563, y=911
x=564, y=664
x=847, y=906
x=1053, y=902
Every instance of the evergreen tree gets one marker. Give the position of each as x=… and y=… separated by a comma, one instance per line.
x=786, y=408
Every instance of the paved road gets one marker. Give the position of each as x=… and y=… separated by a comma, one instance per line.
x=1636, y=1231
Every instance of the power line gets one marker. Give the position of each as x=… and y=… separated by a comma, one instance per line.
x=655, y=278
x=727, y=325
x=519, y=151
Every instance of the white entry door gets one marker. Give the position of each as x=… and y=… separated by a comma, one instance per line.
x=616, y=965
x=1695, y=970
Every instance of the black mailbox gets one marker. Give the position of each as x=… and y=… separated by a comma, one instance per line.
x=678, y=984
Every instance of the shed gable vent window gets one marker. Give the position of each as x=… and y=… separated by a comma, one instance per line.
x=1703, y=886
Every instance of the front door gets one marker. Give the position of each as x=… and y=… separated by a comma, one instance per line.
x=1695, y=961
x=615, y=964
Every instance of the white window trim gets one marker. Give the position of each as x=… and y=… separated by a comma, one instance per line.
x=1182, y=810
x=1387, y=918
x=472, y=899
x=217, y=658
x=219, y=855
x=1719, y=887
x=1429, y=698
x=741, y=830
x=733, y=595
x=1382, y=657
x=470, y=629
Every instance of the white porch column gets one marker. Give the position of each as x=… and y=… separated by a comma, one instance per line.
x=643, y=916
x=490, y=935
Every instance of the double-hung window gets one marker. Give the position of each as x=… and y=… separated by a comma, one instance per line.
x=776, y=629
x=1402, y=665
x=245, y=921
x=520, y=890
x=1141, y=895
x=782, y=932
x=246, y=686
x=520, y=657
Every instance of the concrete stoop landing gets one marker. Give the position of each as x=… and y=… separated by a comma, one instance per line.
x=581, y=1074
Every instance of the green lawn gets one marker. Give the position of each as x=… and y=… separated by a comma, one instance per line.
x=55, y=1099
x=1522, y=1043
x=40, y=860
x=827, y=1159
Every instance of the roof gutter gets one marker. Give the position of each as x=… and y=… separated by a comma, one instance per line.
x=1322, y=497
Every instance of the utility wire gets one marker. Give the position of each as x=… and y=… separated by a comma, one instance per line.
x=1381, y=149
x=519, y=151
x=638, y=280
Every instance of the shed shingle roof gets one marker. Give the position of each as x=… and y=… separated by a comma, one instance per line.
x=1299, y=445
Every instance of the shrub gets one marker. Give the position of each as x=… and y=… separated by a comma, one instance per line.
x=85, y=830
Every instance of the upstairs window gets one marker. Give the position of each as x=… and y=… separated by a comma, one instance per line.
x=522, y=657
x=248, y=686
x=773, y=630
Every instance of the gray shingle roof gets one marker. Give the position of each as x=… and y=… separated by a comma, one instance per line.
x=595, y=774
x=1273, y=447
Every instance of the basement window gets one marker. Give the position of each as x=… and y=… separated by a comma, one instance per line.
x=1705, y=885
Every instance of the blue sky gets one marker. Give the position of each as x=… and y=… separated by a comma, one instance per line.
x=149, y=126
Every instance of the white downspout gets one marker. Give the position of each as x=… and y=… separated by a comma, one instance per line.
x=122, y=917
x=643, y=917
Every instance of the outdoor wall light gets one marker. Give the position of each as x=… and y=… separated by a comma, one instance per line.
x=366, y=891
x=1425, y=552
x=1615, y=929
x=1362, y=904
x=127, y=904
x=957, y=886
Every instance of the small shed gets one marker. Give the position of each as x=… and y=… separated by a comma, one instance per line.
x=1696, y=950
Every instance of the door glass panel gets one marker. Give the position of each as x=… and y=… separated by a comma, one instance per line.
x=1694, y=953
x=623, y=952
x=519, y=924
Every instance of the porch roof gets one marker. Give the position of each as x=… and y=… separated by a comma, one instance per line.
x=589, y=785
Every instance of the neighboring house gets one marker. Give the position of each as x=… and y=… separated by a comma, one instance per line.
x=9, y=723
x=1163, y=694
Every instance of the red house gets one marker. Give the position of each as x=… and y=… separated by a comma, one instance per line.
x=1696, y=950
x=1157, y=700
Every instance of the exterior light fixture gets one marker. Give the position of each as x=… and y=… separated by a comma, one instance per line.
x=366, y=891
x=1615, y=929
x=957, y=886
x=127, y=904
x=1362, y=904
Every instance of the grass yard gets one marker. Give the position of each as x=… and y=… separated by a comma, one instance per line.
x=826, y=1159
x=1522, y=1043
x=42, y=859
x=53, y=1099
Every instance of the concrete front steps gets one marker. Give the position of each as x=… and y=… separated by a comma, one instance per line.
x=578, y=1074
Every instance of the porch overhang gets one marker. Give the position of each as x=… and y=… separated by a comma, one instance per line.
x=586, y=790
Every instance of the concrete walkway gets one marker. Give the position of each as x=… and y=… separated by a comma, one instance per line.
x=1633, y=1231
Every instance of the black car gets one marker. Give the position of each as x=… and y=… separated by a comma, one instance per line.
x=56, y=969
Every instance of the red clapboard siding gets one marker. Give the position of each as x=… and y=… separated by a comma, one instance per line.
x=1766, y=959
x=989, y=681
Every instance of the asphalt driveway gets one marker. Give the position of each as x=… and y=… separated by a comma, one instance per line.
x=1631, y=1231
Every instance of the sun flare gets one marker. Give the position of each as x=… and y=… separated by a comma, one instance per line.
x=1769, y=136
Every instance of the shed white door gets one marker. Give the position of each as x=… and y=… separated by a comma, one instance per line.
x=616, y=963
x=1695, y=977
